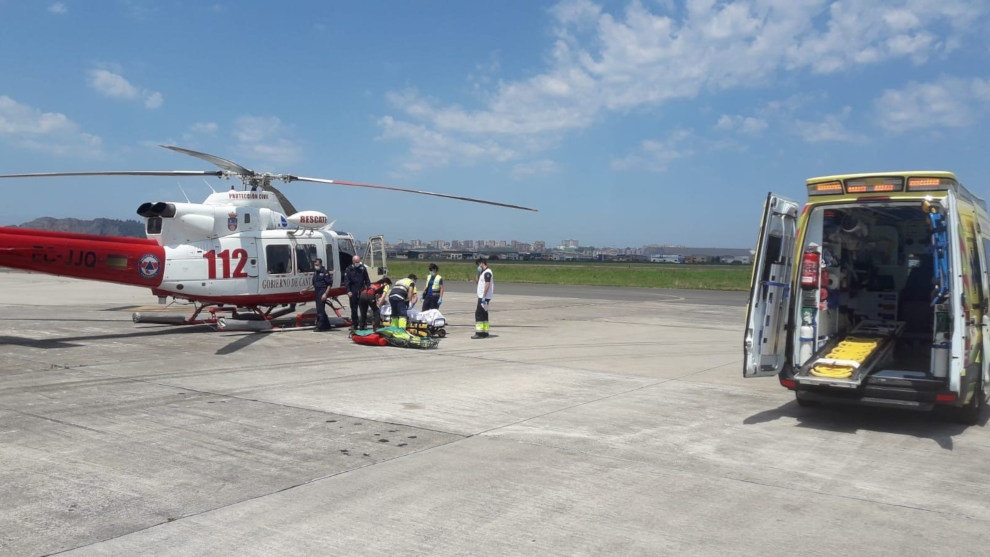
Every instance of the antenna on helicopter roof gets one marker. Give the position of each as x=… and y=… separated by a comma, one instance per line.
x=183, y=192
x=209, y=186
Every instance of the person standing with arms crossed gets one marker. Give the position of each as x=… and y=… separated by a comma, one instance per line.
x=433, y=293
x=486, y=288
x=322, y=283
x=356, y=279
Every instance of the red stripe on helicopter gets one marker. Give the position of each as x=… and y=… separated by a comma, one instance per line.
x=74, y=236
x=135, y=261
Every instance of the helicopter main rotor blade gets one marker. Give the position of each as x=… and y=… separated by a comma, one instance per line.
x=215, y=173
x=287, y=205
x=393, y=188
x=229, y=166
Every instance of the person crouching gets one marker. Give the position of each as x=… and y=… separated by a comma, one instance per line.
x=372, y=298
x=401, y=296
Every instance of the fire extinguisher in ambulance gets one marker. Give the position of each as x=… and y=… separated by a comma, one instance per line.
x=810, y=267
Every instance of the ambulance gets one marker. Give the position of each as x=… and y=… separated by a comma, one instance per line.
x=875, y=292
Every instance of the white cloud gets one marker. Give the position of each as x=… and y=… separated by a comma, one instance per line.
x=27, y=127
x=204, y=127
x=831, y=128
x=115, y=86
x=783, y=114
x=946, y=102
x=266, y=139
x=655, y=155
x=430, y=148
x=193, y=134
x=58, y=8
x=112, y=85
x=534, y=168
x=153, y=100
x=650, y=53
x=747, y=125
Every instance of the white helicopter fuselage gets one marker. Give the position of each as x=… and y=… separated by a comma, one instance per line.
x=238, y=248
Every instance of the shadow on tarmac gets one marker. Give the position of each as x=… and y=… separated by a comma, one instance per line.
x=471, y=325
x=68, y=342
x=934, y=425
x=243, y=342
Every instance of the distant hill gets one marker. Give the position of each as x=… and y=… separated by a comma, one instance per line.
x=103, y=227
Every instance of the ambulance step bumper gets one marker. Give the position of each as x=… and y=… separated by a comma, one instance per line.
x=908, y=398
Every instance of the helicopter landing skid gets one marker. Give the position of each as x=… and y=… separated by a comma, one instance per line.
x=336, y=305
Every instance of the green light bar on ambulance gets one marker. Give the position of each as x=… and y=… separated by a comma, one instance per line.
x=930, y=184
x=875, y=185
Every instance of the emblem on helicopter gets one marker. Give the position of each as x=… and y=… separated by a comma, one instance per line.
x=232, y=222
x=149, y=266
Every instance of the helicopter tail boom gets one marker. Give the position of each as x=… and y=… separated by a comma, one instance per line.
x=132, y=261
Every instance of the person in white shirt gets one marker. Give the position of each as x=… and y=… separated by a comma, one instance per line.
x=486, y=288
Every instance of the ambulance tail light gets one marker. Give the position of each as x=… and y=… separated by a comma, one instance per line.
x=874, y=185
x=930, y=184
x=946, y=397
x=825, y=188
x=789, y=383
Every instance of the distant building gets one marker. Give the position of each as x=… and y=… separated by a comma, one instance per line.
x=569, y=244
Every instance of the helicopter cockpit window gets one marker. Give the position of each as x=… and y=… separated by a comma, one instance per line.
x=305, y=256
x=279, y=259
x=347, y=246
x=154, y=225
x=346, y=249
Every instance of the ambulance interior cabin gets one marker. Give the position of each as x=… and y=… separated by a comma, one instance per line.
x=865, y=290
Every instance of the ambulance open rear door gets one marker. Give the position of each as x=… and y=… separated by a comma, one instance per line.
x=768, y=315
x=957, y=297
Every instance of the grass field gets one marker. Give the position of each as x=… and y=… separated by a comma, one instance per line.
x=650, y=275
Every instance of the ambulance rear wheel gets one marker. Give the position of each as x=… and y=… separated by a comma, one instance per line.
x=970, y=414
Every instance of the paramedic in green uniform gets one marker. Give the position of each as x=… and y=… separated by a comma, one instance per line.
x=433, y=294
x=486, y=288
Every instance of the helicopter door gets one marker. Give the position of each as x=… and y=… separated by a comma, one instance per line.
x=374, y=258
x=767, y=316
x=237, y=260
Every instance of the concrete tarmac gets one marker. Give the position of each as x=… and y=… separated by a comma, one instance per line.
x=594, y=422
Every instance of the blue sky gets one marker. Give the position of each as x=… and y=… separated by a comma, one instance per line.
x=625, y=123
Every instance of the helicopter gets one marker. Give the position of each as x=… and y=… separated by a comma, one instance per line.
x=245, y=252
